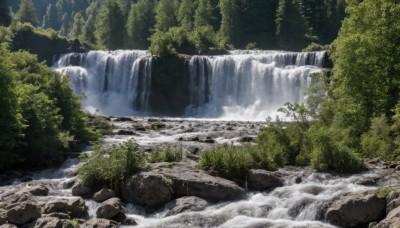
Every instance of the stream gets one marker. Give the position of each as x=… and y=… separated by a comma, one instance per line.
x=301, y=202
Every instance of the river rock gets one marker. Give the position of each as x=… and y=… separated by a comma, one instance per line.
x=22, y=213
x=260, y=180
x=392, y=220
x=109, y=208
x=48, y=222
x=71, y=172
x=99, y=223
x=8, y=226
x=124, y=220
x=103, y=195
x=3, y=218
x=74, y=206
x=59, y=215
x=79, y=189
x=37, y=190
x=148, y=189
x=125, y=132
x=356, y=209
x=189, y=203
x=246, y=139
x=392, y=201
x=190, y=181
x=123, y=119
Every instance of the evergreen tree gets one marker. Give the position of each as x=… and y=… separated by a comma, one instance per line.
x=141, y=19
x=26, y=13
x=77, y=27
x=5, y=18
x=292, y=27
x=203, y=15
x=52, y=17
x=166, y=15
x=229, y=11
x=88, y=31
x=185, y=15
x=110, y=25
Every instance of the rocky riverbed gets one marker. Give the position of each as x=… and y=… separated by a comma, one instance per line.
x=180, y=195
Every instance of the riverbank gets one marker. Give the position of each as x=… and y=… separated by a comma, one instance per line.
x=178, y=194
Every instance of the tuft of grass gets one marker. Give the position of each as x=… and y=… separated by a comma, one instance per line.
x=234, y=162
x=72, y=223
x=109, y=166
x=167, y=154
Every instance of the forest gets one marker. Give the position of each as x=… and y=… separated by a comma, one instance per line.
x=187, y=26
x=351, y=115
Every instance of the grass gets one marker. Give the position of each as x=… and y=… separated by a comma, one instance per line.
x=167, y=154
x=109, y=166
x=234, y=162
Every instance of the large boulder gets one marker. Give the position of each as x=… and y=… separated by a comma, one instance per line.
x=190, y=181
x=356, y=209
x=392, y=220
x=48, y=222
x=109, y=208
x=188, y=203
x=392, y=201
x=103, y=195
x=260, y=180
x=148, y=189
x=99, y=223
x=79, y=189
x=37, y=190
x=3, y=218
x=72, y=205
x=22, y=213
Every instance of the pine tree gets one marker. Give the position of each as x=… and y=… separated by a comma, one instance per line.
x=185, y=15
x=88, y=31
x=52, y=17
x=292, y=26
x=166, y=15
x=141, y=19
x=203, y=15
x=26, y=13
x=229, y=11
x=110, y=25
x=5, y=18
x=77, y=27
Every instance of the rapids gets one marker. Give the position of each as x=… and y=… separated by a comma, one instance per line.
x=301, y=202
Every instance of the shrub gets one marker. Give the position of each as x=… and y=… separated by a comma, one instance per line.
x=109, y=166
x=377, y=141
x=234, y=162
x=165, y=155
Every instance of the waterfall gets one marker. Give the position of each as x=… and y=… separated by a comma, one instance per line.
x=244, y=85
x=249, y=85
x=111, y=83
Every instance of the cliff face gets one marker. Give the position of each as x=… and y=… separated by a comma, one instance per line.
x=45, y=46
x=169, y=86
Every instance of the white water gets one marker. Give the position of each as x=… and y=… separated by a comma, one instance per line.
x=293, y=205
x=249, y=85
x=245, y=85
x=111, y=83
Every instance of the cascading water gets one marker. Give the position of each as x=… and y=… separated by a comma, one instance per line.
x=244, y=85
x=111, y=83
x=249, y=85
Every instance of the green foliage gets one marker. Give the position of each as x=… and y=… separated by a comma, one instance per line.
x=110, y=30
x=77, y=27
x=141, y=19
x=109, y=166
x=26, y=13
x=167, y=154
x=41, y=117
x=234, y=162
x=166, y=15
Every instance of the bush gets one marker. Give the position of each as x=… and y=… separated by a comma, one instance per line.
x=329, y=153
x=234, y=162
x=377, y=142
x=165, y=155
x=109, y=166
